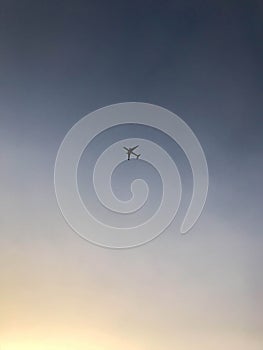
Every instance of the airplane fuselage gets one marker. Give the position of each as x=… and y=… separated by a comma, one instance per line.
x=130, y=151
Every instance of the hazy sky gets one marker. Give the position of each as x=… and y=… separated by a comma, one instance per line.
x=61, y=60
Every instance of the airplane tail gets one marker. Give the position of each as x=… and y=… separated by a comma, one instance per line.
x=138, y=156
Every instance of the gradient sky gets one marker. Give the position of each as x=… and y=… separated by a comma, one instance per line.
x=61, y=60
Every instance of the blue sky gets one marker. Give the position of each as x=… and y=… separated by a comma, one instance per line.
x=61, y=60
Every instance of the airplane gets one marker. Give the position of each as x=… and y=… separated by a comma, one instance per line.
x=130, y=151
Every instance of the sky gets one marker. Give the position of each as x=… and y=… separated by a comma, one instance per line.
x=61, y=60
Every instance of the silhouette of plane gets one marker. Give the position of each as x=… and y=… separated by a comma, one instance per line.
x=130, y=152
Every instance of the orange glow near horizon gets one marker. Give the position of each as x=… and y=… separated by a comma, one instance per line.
x=60, y=343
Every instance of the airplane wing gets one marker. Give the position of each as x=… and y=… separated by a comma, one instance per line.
x=126, y=148
x=133, y=148
x=134, y=154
